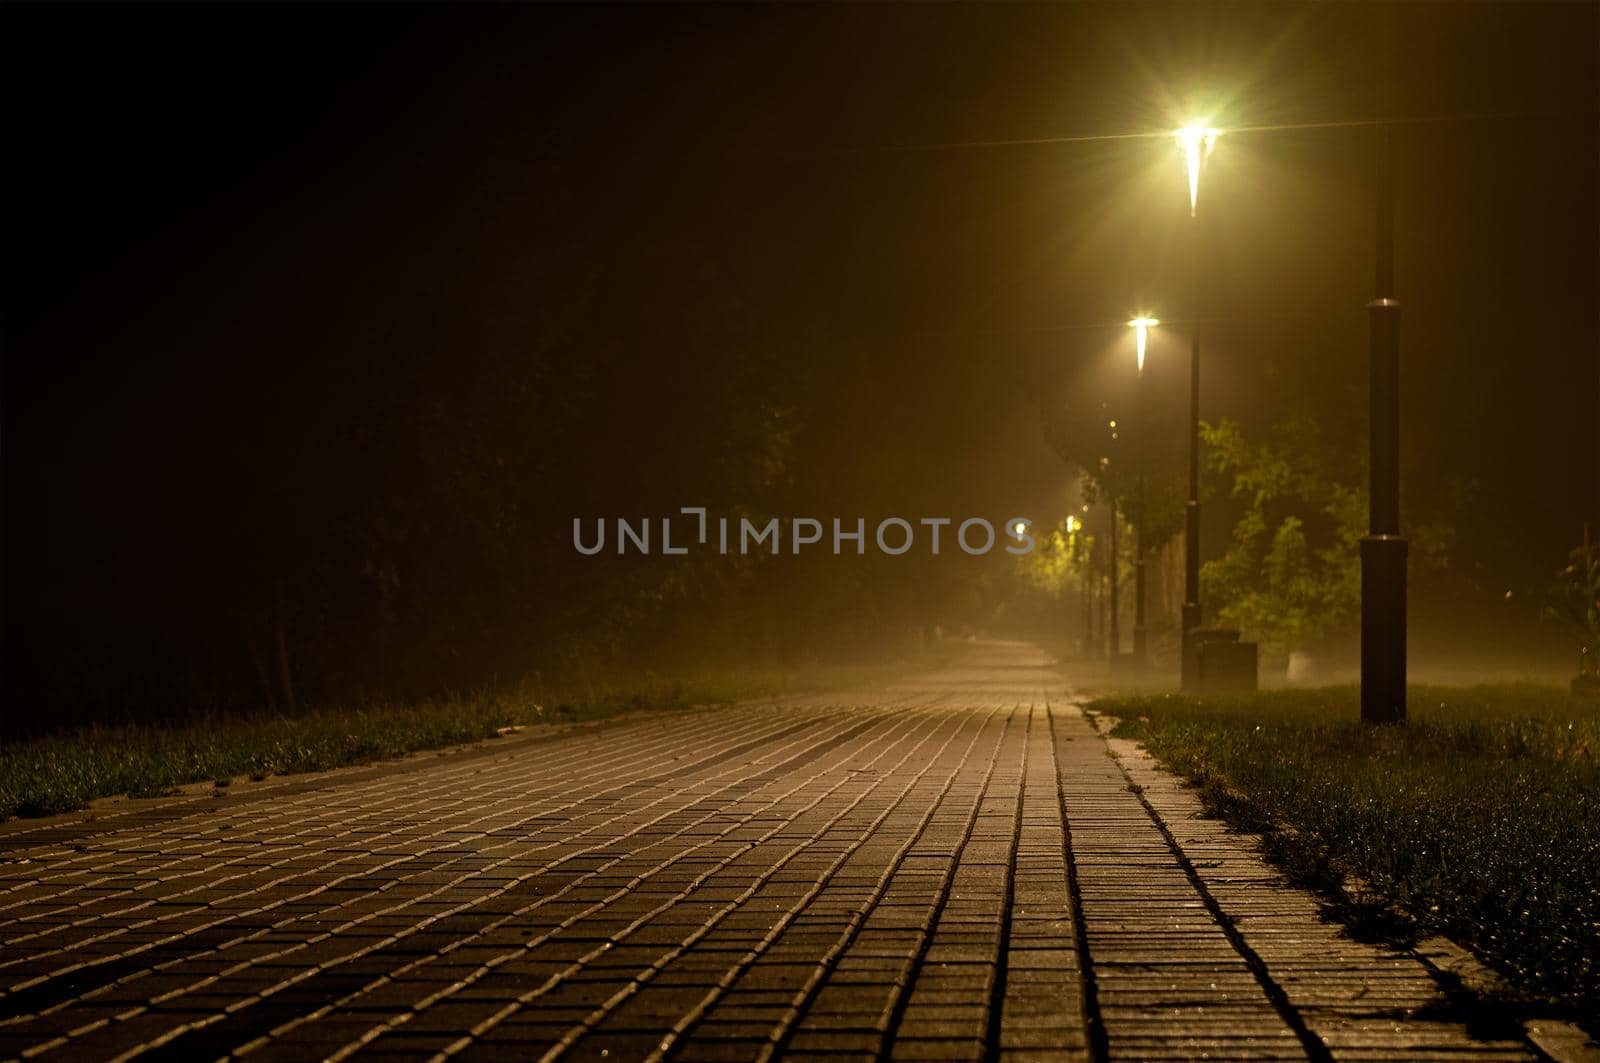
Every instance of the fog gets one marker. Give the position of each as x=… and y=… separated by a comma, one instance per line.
x=325, y=326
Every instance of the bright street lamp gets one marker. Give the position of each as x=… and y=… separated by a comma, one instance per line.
x=1141, y=326
x=1197, y=139
x=1141, y=329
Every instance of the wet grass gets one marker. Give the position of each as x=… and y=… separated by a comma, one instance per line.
x=1479, y=819
x=59, y=773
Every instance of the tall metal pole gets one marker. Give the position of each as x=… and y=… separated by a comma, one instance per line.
x=1085, y=574
x=1138, y=528
x=1100, y=601
x=1383, y=551
x=1191, y=509
x=1116, y=632
x=1074, y=563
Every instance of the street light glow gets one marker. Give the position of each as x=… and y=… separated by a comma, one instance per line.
x=1197, y=139
x=1072, y=524
x=1141, y=329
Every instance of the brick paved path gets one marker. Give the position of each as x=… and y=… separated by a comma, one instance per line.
x=946, y=867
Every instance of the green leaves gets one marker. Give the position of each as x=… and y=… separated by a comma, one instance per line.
x=1293, y=568
x=1059, y=559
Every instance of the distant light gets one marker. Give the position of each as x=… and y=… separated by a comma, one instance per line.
x=1113, y=424
x=1021, y=527
x=1197, y=138
x=1072, y=525
x=1141, y=329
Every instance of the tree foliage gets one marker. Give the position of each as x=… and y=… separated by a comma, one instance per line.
x=1292, y=571
x=1059, y=560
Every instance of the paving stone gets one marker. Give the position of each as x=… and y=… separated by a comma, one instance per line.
x=947, y=867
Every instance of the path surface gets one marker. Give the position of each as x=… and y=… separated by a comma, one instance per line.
x=948, y=867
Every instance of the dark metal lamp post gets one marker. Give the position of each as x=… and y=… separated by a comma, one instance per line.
x=1076, y=563
x=1383, y=551
x=1197, y=140
x=1141, y=330
x=1115, y=591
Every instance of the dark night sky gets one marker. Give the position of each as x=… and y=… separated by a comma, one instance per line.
x=218, y=219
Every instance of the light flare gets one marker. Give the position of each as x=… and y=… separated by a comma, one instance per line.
x=1197, y=140
x=1141, y=330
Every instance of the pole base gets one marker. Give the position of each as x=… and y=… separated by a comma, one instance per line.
x=1188, y=675
x=1383, y=629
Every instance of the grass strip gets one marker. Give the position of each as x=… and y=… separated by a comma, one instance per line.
x=58, y=773
x=1479, y=819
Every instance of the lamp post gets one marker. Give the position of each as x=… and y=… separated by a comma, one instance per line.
x=1072, y=547
x=1141, y=330
x=1099, y=554
x=1197, y=139
x=1114, y=591
x=1088, y=583
x=1383, y=551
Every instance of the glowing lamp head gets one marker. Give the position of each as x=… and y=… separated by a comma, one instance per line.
x=1072, y=525
x=1141, y=331
x=1197, y=139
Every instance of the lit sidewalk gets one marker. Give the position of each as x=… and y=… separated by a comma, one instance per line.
x=948, y=867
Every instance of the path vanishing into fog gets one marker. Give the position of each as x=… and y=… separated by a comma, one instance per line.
x=947, y=866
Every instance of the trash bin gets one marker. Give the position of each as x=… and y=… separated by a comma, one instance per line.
x=1191, y=651
x=1226, y=666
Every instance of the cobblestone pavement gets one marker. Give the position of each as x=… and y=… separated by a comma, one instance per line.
x=946, y=867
